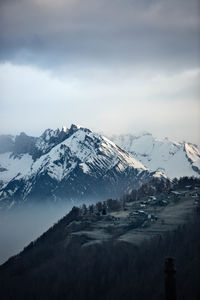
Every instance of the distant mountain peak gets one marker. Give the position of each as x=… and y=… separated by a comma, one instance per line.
x=76, y=127
x=175, y=159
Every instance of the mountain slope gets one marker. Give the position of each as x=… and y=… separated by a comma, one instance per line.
x=175, y=159
x=90, y=254
x=73, y=164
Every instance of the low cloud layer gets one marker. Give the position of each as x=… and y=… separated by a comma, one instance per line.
x=20, y=227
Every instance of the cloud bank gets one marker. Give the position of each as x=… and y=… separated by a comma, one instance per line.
x=56, y=33
x=115, y=66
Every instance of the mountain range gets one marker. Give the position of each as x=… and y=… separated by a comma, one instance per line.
x=78, y=164
x=68, y=164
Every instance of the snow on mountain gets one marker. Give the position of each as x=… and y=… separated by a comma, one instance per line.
x=70, y=163
x=18, y=153
x=175, y=159
x=193, y=155
x=86, y=149
x=46, y=140
x=14, y=165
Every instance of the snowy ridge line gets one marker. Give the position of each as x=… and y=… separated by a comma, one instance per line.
x=175, y=159
x=80, y=162
x=76, y=145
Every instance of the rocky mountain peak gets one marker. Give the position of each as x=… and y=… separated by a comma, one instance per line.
x=76, y=164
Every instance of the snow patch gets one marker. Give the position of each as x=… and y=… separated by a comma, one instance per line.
x=85, y=167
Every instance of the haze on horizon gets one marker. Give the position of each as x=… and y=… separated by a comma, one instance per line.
x=112, y=66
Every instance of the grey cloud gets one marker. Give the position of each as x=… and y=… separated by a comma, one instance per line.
x=53, y=33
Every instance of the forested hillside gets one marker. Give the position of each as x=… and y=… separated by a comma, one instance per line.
x=64, y=265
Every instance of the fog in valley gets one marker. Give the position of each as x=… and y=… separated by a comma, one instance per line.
x=21, y=226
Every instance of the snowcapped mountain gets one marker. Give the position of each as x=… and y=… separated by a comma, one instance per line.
x=70, y=164
x=175, y=159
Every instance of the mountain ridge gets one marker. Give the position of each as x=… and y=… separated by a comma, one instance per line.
x=175, y=159
x=75, y=163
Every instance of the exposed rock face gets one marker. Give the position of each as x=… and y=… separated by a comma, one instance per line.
x=73, y=164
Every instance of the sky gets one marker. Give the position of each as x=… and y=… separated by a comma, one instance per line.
x=122, y=66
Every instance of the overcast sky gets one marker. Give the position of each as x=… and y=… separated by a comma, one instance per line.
x=114, y=66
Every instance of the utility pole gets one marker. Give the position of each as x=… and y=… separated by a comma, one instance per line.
x=170, y=281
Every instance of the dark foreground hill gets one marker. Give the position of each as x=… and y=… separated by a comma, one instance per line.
x=75, y=259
